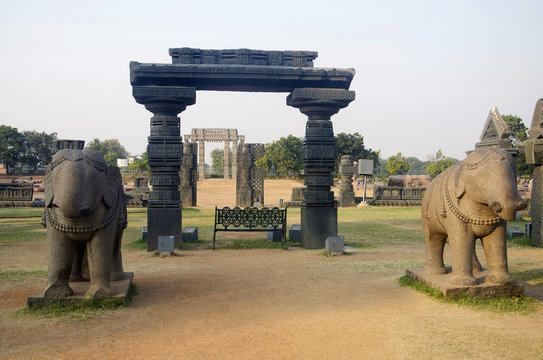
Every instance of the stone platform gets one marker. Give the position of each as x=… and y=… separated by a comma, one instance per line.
x=481, y=290
x=119, y=288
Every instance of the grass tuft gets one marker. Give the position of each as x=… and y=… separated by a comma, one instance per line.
x=138, y=244
x=80, y=310
x=521, y=241
x=521, y=305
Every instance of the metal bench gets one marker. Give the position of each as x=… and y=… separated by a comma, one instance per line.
x=251, y=219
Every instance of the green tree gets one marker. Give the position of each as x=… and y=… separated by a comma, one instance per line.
x=284, y=156
x=217, y=162
x=397, y=165
x=517, y=130
x=439, y=163
x=140, y=164
x=11, y=146
x=416, y=166
x=37, y=148
x=353, y=144
x=517, y=134
x=111, y=150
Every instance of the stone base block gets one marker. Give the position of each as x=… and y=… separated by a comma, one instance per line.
x=190, y=233
x=514, y=231
x=163, y=222
x=335, y=244
x=317, y=224
x=274, y=235
x=295, y=232
x=442, y=283
x=119, y=289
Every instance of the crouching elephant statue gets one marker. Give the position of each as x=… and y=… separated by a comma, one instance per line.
x=85, y=210
x=468, y=201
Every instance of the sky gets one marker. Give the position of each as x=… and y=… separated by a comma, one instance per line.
x=427, y=72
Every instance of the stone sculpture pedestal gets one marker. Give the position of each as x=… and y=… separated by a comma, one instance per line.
x=119, y=289
x=442, y=283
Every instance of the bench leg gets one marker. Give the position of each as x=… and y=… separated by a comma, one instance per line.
x=214, y=233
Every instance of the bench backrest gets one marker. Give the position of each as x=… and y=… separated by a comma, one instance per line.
x=251, y=217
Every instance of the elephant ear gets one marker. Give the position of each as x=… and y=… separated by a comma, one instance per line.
x=48, y=188
x=113, y=181
x=459, y=184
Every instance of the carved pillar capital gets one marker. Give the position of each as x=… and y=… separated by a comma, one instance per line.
x=319, y=104
x=164, y=100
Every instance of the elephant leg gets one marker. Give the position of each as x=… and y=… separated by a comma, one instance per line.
x=99, y=250
x=462, y=245
x=60, y=256
x=117, y=272
x=495, y=248
x=435, y=242
x=475, y=260
x=76, y=274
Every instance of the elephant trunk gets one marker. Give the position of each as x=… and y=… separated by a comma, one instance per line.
x=508, y=210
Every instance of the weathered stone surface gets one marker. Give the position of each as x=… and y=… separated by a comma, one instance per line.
x=346, y=192
x=144, y=233
x=239, y=77
x=166, y=244
x=165, y=155
x=495, y=133
x=514, y=231
x=274, y=235
x=481, y=289
x=470, y=200
x=409, y=180
x=190, y=233
x=187, y=55
x=335, y=244
x=118, y=289
x=85, y=214
x=295, y=232
x=60, y=144
x=250, y=178
x=533, y=149
x=189, y=175
x=319, y=153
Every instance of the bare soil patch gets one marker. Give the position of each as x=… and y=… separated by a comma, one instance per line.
x=267, y=304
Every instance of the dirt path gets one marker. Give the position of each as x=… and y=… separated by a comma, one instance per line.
x=273, y=304
x=266, y=304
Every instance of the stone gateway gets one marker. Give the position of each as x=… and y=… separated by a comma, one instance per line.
x=167, y=89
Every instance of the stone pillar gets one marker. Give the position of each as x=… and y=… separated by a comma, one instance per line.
x=533, y=148
x=234, y=158
x=165, y=153
x=201, y=160
x=346, y=192
x=226, y=167
x=244, y=194
x=319, y=209
x=188, y=175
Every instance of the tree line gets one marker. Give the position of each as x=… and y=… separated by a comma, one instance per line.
x=282, y=157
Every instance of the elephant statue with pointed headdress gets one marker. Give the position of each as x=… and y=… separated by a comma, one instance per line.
x=468, y=201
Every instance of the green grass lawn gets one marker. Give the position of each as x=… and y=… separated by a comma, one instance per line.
x=368, y=227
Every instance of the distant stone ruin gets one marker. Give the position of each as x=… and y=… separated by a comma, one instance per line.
x=249, y=178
